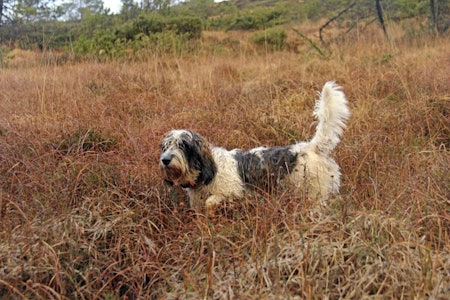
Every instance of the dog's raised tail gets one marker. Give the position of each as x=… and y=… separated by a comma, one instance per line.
x=331, y=111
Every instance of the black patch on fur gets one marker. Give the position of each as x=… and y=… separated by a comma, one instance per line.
x=266, y=167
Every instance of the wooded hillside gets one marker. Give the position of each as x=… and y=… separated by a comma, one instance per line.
x=87, y=29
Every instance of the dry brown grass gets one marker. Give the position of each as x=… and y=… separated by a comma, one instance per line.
x=85, y=215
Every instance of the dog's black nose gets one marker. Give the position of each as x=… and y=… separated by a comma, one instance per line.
x=166, y=160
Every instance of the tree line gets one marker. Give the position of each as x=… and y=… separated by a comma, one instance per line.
x=87, y=26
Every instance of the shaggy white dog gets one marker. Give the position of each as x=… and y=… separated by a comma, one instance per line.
x=212, y=174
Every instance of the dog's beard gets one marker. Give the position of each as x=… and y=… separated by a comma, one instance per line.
x=172, y=174
x=178, y=172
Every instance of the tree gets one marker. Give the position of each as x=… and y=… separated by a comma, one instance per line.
x=152, y=5
x=359, y=10
x=28, y=11
x=380, y=17
x=201, y=8
x=439, y=10
x=6, y=11
x=75, y=10
x=91, y=7
x=1, y=11
x=129, y=10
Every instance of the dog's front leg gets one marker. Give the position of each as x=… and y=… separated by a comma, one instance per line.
x=211, y=204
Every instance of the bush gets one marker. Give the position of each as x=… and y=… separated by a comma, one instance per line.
x=153, y=32
x=102, y=43
x=259, y=18
x=151, y=24
x=188, y=26
x=163, y=42
x=272, y=39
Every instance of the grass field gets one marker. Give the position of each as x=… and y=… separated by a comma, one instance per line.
x=85, y=214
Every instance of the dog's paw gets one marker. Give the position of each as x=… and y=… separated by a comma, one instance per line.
x=211, y=204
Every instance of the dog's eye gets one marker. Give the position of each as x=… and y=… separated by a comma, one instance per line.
x=185, y=144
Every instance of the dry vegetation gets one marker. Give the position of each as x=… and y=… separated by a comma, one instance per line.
x=85, y=214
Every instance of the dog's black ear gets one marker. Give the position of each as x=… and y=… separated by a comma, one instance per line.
x=209, y=168
x=206, y=164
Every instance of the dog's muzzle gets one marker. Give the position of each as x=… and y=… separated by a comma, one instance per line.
x=166, y=159
x=172, y=171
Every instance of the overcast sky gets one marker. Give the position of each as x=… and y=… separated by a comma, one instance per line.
x=114, y=5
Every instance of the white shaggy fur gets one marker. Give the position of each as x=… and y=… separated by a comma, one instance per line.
x=212, y=174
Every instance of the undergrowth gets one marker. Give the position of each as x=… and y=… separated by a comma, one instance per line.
x=85, y=214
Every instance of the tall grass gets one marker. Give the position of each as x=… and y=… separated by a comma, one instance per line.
x=85, y=214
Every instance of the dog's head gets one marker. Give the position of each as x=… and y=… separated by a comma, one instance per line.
x=186, y=159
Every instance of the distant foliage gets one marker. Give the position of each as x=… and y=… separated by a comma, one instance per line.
x=87, y=29
x=258, y=18
x=402, y=9
x=190, y=26
x=151, y=32
x=38, y=35
x=141, y=25
x=102, y=44
x=154, y=23
x=271, y=39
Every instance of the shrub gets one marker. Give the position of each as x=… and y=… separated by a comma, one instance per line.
x=272, y=39
x=152, y=32
x=163, y=42
x=259, y=18
x=151, y=24
x=188, y=26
